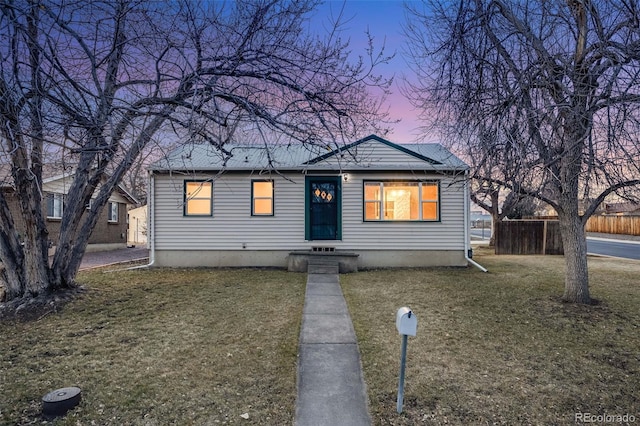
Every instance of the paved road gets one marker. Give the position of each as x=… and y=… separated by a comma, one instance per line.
x=604, y=245
x=483, y=234
x=616, y=248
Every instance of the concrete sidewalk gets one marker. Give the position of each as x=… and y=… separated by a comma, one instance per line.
x=98, y=259
x=331, y=389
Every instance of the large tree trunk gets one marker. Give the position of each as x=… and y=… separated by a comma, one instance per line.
x=576, y=282
x=11, y=254
x=496, y=217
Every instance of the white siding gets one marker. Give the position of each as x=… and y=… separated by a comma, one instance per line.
x=446, y=234
x=232, y=227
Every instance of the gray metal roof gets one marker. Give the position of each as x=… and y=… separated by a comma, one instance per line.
x=205, y=157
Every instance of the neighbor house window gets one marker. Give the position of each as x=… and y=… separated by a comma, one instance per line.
x=262, y=198
x=398, y=201
x=198, y=198
x=55, y=203
x=113, y=212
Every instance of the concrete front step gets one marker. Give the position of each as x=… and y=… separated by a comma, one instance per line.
x=323, y=268
x=300, y=261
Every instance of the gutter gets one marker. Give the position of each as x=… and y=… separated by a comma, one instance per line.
x=150, y=225
x=467, y=224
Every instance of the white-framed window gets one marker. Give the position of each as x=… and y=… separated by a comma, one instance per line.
x=401, y=201
x=198, y=198
x=261, y=198
x=113, y=212
x=55, y=205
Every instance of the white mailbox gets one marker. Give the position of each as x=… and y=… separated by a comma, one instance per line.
x=406, y=321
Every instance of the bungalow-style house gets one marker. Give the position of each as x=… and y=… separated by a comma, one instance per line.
x=386, y=204
x=109, y=233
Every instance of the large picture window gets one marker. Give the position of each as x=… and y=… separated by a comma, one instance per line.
x=262, y=198
x=198, y=198
x=401, y=201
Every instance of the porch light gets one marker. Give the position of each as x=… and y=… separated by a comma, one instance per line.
x=345, y=177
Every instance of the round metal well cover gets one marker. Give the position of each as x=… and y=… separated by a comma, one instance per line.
x=59, y=401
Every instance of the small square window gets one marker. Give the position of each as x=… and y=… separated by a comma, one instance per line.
x=198, y=198
x=262, y=198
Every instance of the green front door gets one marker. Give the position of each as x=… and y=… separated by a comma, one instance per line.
x=323, y=208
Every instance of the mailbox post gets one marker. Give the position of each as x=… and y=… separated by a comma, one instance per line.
x=407, y=325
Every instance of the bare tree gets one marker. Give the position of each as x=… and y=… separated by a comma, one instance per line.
x=556, y=82
x=95, y=80
x=491, y=159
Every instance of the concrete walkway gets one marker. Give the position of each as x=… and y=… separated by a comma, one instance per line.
x=331, y=389
x=97, y=259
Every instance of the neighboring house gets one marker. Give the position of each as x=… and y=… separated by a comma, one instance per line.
x=137, y=226
x=622, y=209
x=111, y=229
x=391, y=205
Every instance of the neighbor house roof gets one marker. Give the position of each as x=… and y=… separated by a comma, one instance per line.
x=622, y=208
x=355, y=156
x=49, y=172
x=52, y=173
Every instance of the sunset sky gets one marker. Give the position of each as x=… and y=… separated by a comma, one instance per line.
x=384, y=20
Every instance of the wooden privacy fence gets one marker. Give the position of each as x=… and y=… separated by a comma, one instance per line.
x=528, y=237
x=628, y=225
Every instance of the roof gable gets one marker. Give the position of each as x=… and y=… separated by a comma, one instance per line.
x=369, y=139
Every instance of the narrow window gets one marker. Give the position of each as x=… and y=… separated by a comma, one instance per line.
x=262, y=198
x=55, y=204
x=198, y=198
x=429, y=201
x=372, y=200
x=113, y=212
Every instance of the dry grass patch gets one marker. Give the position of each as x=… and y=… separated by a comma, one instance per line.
x=499, y=348
x=162, y=347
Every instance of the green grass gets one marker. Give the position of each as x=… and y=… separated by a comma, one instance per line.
x=500, y=348
x=162, y=347
x=199, y=346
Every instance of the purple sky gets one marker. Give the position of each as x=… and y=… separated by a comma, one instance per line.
x=384, y=20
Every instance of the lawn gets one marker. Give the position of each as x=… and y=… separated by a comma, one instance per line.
x=198, y=346
x=162, y=347
x=499, y=348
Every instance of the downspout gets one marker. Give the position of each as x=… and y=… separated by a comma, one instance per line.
x=151, y=240
x=467, y=224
